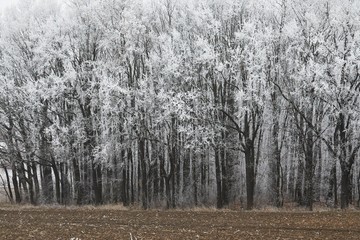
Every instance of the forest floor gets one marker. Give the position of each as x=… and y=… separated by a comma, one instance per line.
x=117, y=223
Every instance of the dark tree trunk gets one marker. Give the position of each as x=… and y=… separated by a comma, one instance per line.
x=202, y=175
x=168, y=193
x=128, y=184
x=275, y=167
x=291, y=181
x=308, y=147
x=47, y=185
x=250, y=162
x=347, y=158
x=345, y=186
x=299, y=183
x=47, y=181
x=318, y=173
x=114, y=175
x=186, y=174
x=30, y=182
x=57, y=180
x=97, y=183
x=36, y=181
x=123, y=183
x=250, y=175
x=224, y=177
x=219, y=202
x=309, y=172
x=23, y=181
x=195, y=179
x=156, y=173
x=65, y=187
x=332, y=192
x=143, y=173
x=173, y=183
x=78, y=184
x=358, y=189
x=11, y=198
x=132, y=177
x=15, y=183
x=109, y=186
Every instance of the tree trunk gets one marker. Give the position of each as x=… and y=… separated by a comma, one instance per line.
x=97, y=182
x=224, y=177
x=358, y=189
x=15, y=183
x=57, y=180
x=275, y=167
x=132, y=177
x=36, y=181
x=113, y=173
x=345, y=186
x=47, y=181
x=123, y=187
x=11, y=198
x=65, y=187
x=78, y=184
x=299, y=183
x=250, y=173
x=23, y=182
x=144, y=189
x=318, y=173
x=195, y=179
x=309, y=175
x=308, y=146
x=219, y=202
x=30, y=182
x=250, y=177
x=332, y=192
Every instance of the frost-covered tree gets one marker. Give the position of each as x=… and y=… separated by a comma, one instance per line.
x=180, y=103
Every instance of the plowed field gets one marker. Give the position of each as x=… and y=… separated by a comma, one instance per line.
x=87, y=223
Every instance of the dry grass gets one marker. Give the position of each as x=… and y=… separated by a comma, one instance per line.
x=288, y=207
x=200, y=209
x=112, y=207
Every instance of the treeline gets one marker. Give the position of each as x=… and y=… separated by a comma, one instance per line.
x=181, y=103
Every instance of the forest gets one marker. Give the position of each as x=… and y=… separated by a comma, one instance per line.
x=173, y=104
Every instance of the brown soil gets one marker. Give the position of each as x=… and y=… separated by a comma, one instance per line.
x=100, y=223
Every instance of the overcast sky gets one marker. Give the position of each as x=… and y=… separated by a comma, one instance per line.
x=6, y=3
